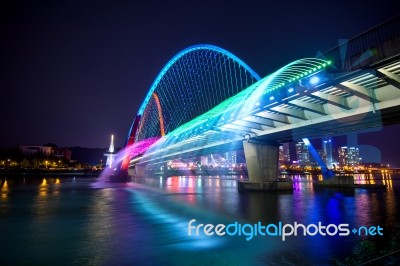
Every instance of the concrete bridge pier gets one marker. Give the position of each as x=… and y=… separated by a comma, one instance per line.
x=262, y=166
x=139, y=170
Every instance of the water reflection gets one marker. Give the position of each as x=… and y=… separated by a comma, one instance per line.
x=306, y=205
x=145, y=221
x=301, y=183
x=43, y=188
x=4, y=190
x=99, y=229
x=41, y=206
x=190, y=183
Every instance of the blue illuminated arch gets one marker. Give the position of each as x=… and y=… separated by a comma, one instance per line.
x=182, y=53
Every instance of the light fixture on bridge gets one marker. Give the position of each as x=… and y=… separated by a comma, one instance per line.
x=271, y=98
x=258, y=103
x=314, y=80
x=246, y=136
x=290, y=90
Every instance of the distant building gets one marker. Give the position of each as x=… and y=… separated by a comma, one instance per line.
x=342, y=156
x=327, y=149
x=349, y=156
x=64, y=153
x=303, y=155
x=353, y=156
x=47, y=150
x=29, y=150
x=284, y=154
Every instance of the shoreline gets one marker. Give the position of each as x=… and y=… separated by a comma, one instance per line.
x=39, y=173
x=96, y=173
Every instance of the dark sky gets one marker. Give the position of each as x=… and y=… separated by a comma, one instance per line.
x=73, y=72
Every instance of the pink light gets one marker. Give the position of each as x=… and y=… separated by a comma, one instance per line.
x=134, y=150
x=140, y=147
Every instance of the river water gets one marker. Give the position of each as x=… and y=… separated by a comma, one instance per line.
x=84, y=221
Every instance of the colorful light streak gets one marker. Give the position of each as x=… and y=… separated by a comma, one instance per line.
x=207, y=126
x=233, y=105
x=123, y=157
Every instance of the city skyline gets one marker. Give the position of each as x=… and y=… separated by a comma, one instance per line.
x=382, y=153
x=331, y=154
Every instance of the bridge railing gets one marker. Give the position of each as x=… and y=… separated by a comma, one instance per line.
x=372, y=46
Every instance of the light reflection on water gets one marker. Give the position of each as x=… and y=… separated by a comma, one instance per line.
x=67, y=221
x=4, y=191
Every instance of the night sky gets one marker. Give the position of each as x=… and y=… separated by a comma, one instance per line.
x=74, y=72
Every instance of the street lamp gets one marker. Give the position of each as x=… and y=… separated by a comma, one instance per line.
x=46, y=164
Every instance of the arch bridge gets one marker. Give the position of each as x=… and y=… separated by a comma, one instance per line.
x=207, y=100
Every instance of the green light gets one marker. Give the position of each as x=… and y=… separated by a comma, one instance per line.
x=329, y=62
x=324, y=65
x=231, y=106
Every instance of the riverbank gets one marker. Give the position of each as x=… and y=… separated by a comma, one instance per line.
x=44, y=172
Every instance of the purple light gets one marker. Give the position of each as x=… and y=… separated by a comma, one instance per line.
x=140, y=147
x=136, y=149
x=129, y=152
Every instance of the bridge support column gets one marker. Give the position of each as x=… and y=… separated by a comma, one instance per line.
x=262, y=167
x=140, y=170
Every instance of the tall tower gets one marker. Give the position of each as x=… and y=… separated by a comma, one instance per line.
x=303, y=155
x=327, y=146
x=284, y=153
x=353, y=156
x=110, y=154
x=343, y=156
